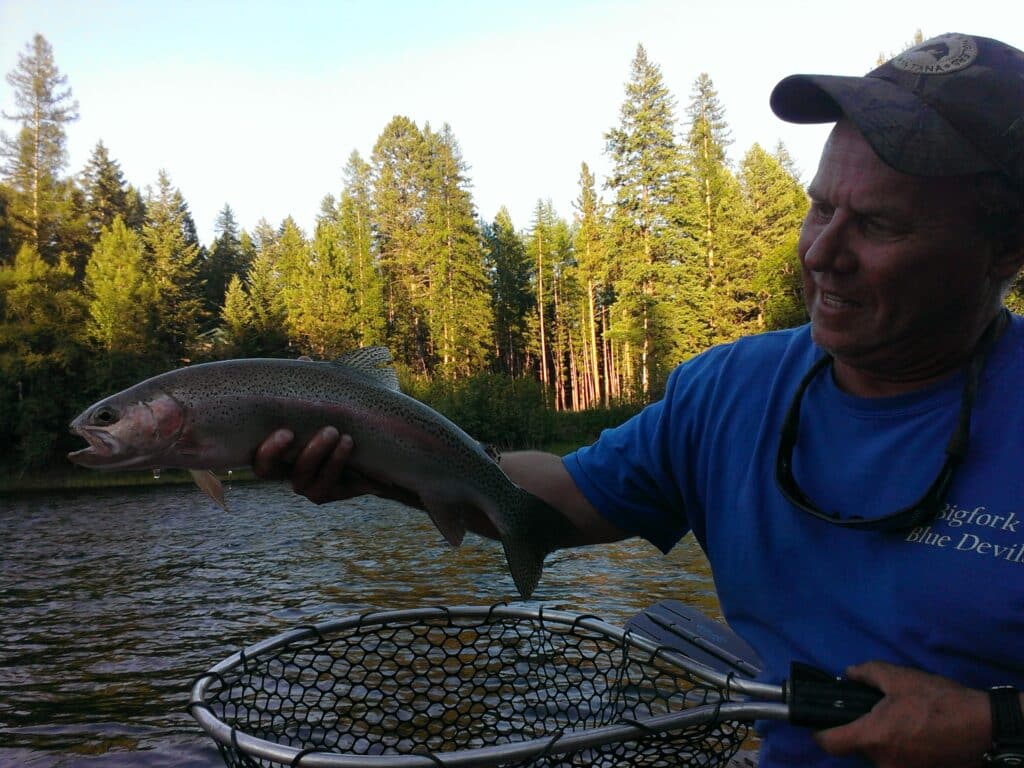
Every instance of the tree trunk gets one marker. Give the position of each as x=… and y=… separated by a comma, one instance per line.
x=597, y=389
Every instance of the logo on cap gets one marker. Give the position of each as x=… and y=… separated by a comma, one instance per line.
x=938, y=56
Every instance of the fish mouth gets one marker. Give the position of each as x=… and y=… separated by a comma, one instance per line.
x=101, y=449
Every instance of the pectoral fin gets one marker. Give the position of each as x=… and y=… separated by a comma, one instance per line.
x=210, y=485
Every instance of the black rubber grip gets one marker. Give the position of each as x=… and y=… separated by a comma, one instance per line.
x=818, y=700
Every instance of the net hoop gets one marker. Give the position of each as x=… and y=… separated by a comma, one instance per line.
x=238, y=747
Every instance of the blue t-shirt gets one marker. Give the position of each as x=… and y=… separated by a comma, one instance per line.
x=947, y=598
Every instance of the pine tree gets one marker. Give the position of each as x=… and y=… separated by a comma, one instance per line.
x=776, y=201
x=460, y=316
x=224, y=260
x=264, y=288
x=237, y=321
x=708, y=138
x=776, y=205
x=652, y=320
x=7, y=249
x=785, y=159
x=321, y=319
x=264, y=237
x=120, y=295
x=512, y=299
x=292, y=261
x=540, y=249
x=328, y=211
x=104, y=196
x=248, y=248
x=565, y=295
x=718, y=213
x=71, y=241
x=591, y=249
x=41, y=357
x=778, y=284
x=399, y=166
x=355, y=233
x=106, y=192
x=173, y=253
x=188, y=224
x=36, y=156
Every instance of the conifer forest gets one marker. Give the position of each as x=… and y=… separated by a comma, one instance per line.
x=522, y=332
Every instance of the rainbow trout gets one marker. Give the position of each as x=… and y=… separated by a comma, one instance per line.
x=213, y=416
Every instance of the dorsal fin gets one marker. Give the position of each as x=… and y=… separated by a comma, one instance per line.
x=373, y=362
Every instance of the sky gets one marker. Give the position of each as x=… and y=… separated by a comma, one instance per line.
x=259, y=105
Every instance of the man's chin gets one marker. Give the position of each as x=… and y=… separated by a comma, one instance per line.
x=827, y=336
x=840, y=342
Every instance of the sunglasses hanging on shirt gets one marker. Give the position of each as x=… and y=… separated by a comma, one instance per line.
x=930, y=504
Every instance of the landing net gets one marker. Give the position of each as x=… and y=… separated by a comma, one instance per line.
x=461, y=686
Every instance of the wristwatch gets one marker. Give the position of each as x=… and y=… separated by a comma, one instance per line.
x=1007, y=727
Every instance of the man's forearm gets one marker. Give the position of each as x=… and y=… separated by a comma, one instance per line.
x=544, y=475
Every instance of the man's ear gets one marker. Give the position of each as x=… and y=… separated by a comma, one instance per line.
x=1008, y=253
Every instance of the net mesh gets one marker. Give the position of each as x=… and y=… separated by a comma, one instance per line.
x=443, y=683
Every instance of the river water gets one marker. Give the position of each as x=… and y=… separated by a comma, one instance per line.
x=113, y=601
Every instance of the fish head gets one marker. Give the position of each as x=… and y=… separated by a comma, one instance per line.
x=130, y=430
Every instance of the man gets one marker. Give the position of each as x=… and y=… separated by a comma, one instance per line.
x=856, y=483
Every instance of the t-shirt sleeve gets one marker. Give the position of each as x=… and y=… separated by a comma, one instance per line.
x=630, y=474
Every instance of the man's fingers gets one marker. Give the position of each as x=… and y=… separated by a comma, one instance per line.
x=843, y=740
x=852, y=737
x=319, y=472
x=268, y=463
x=888, y=678
x=311, y=460
x=333, y=480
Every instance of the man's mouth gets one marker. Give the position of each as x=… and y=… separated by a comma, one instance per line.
x=836, y=301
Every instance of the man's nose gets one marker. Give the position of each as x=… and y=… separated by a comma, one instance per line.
x=830, y=246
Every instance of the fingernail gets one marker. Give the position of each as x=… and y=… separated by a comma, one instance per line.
x=282, y=437
x=329, y=433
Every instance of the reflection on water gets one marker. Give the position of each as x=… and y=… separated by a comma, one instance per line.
x=112, y=602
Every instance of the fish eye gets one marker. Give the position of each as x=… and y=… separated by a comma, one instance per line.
x=105, y=415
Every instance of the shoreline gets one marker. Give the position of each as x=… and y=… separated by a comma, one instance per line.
x=82, y=479
x=66, y=482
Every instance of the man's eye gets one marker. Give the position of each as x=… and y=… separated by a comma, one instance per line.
x=821, y=211
x=878, y=227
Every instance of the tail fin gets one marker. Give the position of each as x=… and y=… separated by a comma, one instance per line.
x=533, y=529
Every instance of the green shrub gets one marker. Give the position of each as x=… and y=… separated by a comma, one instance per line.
x=511, y=413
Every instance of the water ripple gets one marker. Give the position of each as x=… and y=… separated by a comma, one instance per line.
x=112, y=602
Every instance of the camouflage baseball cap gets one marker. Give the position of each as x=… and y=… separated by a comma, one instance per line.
x=951, y=106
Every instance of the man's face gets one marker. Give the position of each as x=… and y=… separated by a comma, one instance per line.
x=895, y=275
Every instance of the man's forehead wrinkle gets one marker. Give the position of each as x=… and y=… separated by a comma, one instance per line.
x=885, y=194
x=852, y=175
x=879, y=194
x=851, y=185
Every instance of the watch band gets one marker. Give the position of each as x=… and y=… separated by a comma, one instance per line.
x=1007, y=727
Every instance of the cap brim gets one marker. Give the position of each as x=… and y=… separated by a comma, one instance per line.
x=903, y=130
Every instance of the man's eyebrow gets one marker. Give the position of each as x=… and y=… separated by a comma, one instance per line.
x=872, y=208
